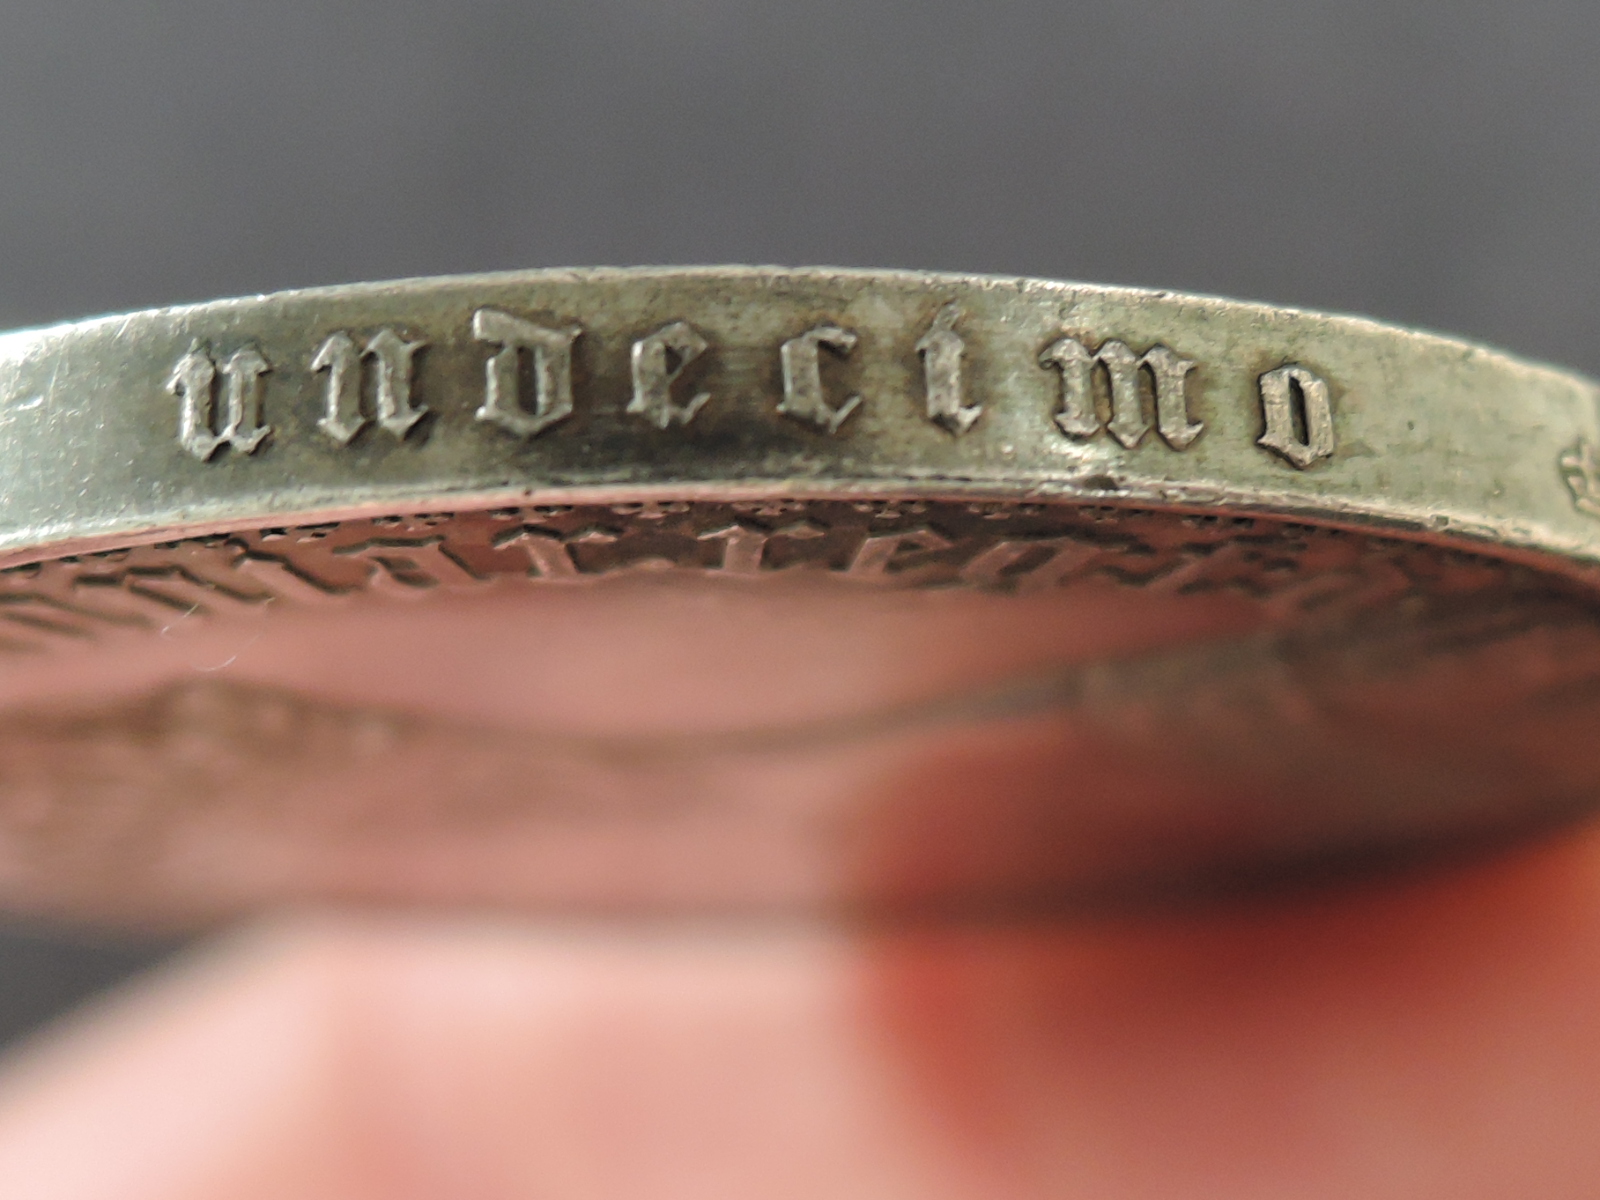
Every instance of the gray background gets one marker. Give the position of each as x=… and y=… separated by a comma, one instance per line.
x=1433, y=163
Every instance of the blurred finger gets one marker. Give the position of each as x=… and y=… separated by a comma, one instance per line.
x=1431, y=1037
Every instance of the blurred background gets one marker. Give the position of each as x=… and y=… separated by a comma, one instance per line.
x=1432, y=163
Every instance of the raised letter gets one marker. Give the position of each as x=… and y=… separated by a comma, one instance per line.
x=654, y=374
x=941, y=349
x=341, y=418
x=392, y=354
x=193, y=381
x=742, y=548
x=1168, y=373
x=552, y=372
x=1278, y=390
x=1077, y=417
x=1580, y=466
x=802, y=377
x=548, y=556
x=411, y=566
x=1128, y=424
x=878, y=557
x=1057, y=558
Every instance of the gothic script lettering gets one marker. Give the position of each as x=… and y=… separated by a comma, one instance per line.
x=1168, y=372
x=802, y=377
x=1283, y=434
x=552, y=372
x=941, y=349
x=658, y=360
x=194, y=381
x=391, y=354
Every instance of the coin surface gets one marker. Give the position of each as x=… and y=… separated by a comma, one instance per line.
x=740, y=587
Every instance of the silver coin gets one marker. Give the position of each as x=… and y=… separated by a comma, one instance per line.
x=784, y=589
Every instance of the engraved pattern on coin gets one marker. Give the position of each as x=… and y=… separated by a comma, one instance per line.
x=194, y=382
x=1295, y=572
x=942, y=349
x=552, y=372
x=658, y=361
x=1029, y=563
x=744, y=545
x=1168, y=371
x=803, y=396
x=391, y=355
x=1110, y=389
x=1293, y=400
x=549, y=560
x=411, y=567
x=1580, y=467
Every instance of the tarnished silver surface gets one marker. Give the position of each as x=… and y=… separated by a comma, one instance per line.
x=705, y=383
x=977, y=591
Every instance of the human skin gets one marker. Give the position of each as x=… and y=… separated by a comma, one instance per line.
x=1424, y=1036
